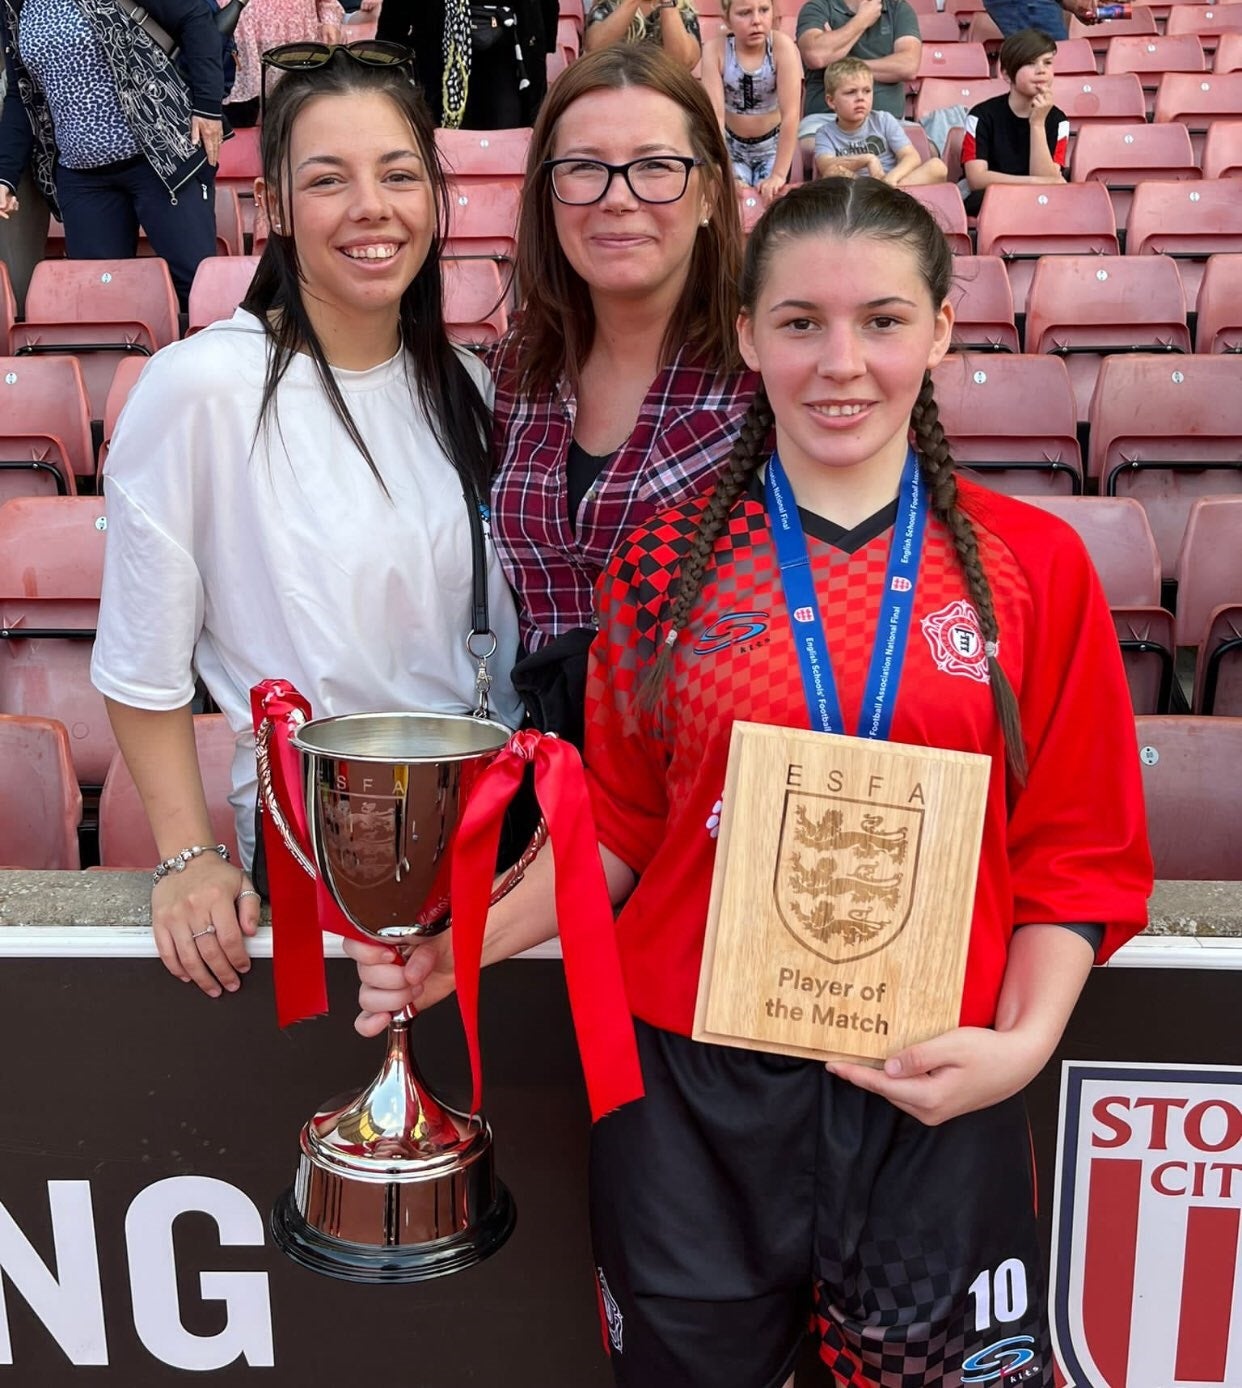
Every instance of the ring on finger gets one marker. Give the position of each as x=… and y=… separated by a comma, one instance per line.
x=249, y=892
x=197, y=934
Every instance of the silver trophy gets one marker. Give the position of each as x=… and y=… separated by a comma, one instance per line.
x=392, y=1185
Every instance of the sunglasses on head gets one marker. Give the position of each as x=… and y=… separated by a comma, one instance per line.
x=306, y=57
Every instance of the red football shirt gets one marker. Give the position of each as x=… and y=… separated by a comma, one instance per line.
x=1069, y=846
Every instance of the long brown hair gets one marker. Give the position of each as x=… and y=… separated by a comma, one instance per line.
x=557, y=323
x=844, y=207
x=458, y=415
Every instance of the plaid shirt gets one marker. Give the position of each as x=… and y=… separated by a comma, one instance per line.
x=685, y=429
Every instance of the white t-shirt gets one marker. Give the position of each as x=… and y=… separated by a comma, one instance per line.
x=290, y=562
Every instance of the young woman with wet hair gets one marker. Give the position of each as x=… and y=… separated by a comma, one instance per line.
x=749, y=1192
x=619, y=389
x=290, y=491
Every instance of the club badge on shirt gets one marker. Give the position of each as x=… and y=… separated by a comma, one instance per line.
x=956, y=641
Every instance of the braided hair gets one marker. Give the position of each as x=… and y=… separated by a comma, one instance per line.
x=845, y=207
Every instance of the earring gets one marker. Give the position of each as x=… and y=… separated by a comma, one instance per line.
x=705, y=221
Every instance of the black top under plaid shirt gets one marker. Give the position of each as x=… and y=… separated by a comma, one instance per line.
x=686, y=426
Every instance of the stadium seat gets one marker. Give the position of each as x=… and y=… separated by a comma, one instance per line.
x=1010, y=419
x=1120, y=156
x=1113, y=100
x=238, y=168
x=125, y=839
x=1218, y=323
x=555, y=64
x=1123, y=550
x=982, y=305
x=98, y=311
x=229, y=225
x=122, y=383
x=1228, y=52
x=985, y=30
x=1209, y=593
x=468, y=155
x=1150, y=57
x=483, y=218
x=952, y=153
x=938, y=28
x=749, y=208
x=1193, y=795
x=949, y=62
x=963, y=10
x=1021, y=222
x=8, y=308
x=936, y=92
x=474, y=307
x=569, y=37
x=1209, y=22
x=944, y=202
x=220, y=284
x=1074, y=57
x=45, y=427
x=51, y=566
x=1188, y=221
x=1099, y=36
x=1197, y=99
x=41, y=806
x=1222, y=148
x=1083, y=309
x=1218, y=669
x=1166, y=430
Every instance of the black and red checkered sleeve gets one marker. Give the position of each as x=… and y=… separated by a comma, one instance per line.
x=626, y=756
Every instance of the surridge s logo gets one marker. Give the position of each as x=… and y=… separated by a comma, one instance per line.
x=731, y=630
x=1005, y=1360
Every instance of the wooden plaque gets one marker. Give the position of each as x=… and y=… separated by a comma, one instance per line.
x=842, y=896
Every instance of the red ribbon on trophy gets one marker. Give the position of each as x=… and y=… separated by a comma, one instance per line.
x=302, y=906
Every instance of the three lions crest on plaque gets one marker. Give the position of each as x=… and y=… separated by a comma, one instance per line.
x=845, y=873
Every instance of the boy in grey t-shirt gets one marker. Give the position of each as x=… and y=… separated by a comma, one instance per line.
x=862, y=142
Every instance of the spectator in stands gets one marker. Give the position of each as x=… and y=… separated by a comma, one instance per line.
x=754, y=78
x=1047, y=15
x=1020, y=137
x=620, y=387
x=671, y=23
x=862, y=143
x=883, y=33
x=289, y=491
x=119, y=138
x=495, y=81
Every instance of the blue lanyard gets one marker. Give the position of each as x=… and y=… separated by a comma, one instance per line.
x=884, y=676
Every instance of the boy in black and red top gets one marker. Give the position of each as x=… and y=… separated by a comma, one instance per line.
x=1021, y=137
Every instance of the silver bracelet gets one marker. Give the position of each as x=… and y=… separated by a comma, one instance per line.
x=178, y=861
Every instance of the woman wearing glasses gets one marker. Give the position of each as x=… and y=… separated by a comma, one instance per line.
x=620, y=389
x=290, y=492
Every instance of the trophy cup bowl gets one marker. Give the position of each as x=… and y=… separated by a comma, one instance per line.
x=392, y=1185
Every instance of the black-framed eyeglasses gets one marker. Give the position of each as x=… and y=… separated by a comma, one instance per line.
x=653, y=178
x=306, y=57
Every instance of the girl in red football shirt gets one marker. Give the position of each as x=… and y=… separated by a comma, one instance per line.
x=747, y=1192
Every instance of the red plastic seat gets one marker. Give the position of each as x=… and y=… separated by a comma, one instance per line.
x=982, y=306
x=1074, y=56
x=468, y=155
x=1222, y=148
x=229, y=224
x=1193, y=795
x=938, y=28
x=1141, y=21
x=125, y=839
x=1150, y=56
x=1095, y=100
x=483, y=217
x=949, y=62
x=40, y=803
x=985, y=30
x=1166, y=430
x=127, y=374
x=474, y=307
x=1197, y=99
x=240, y=164
x=51, y=567
x=220, y=284
x=1228, y=52
x=1218, y=670
x=1208, y=572
x=1120, y=156
x=1083, y=309
x=937, y=92
x=98, y=310
x=45, y=427
x=1210, y=22
x=1021, y=222
x=944, y=202
x=1218, y=323
x=8, y=307
x=1188, y=221
x=1123, y=550
x=1010, y=419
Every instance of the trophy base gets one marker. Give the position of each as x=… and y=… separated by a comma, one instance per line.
x=298, y=1239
